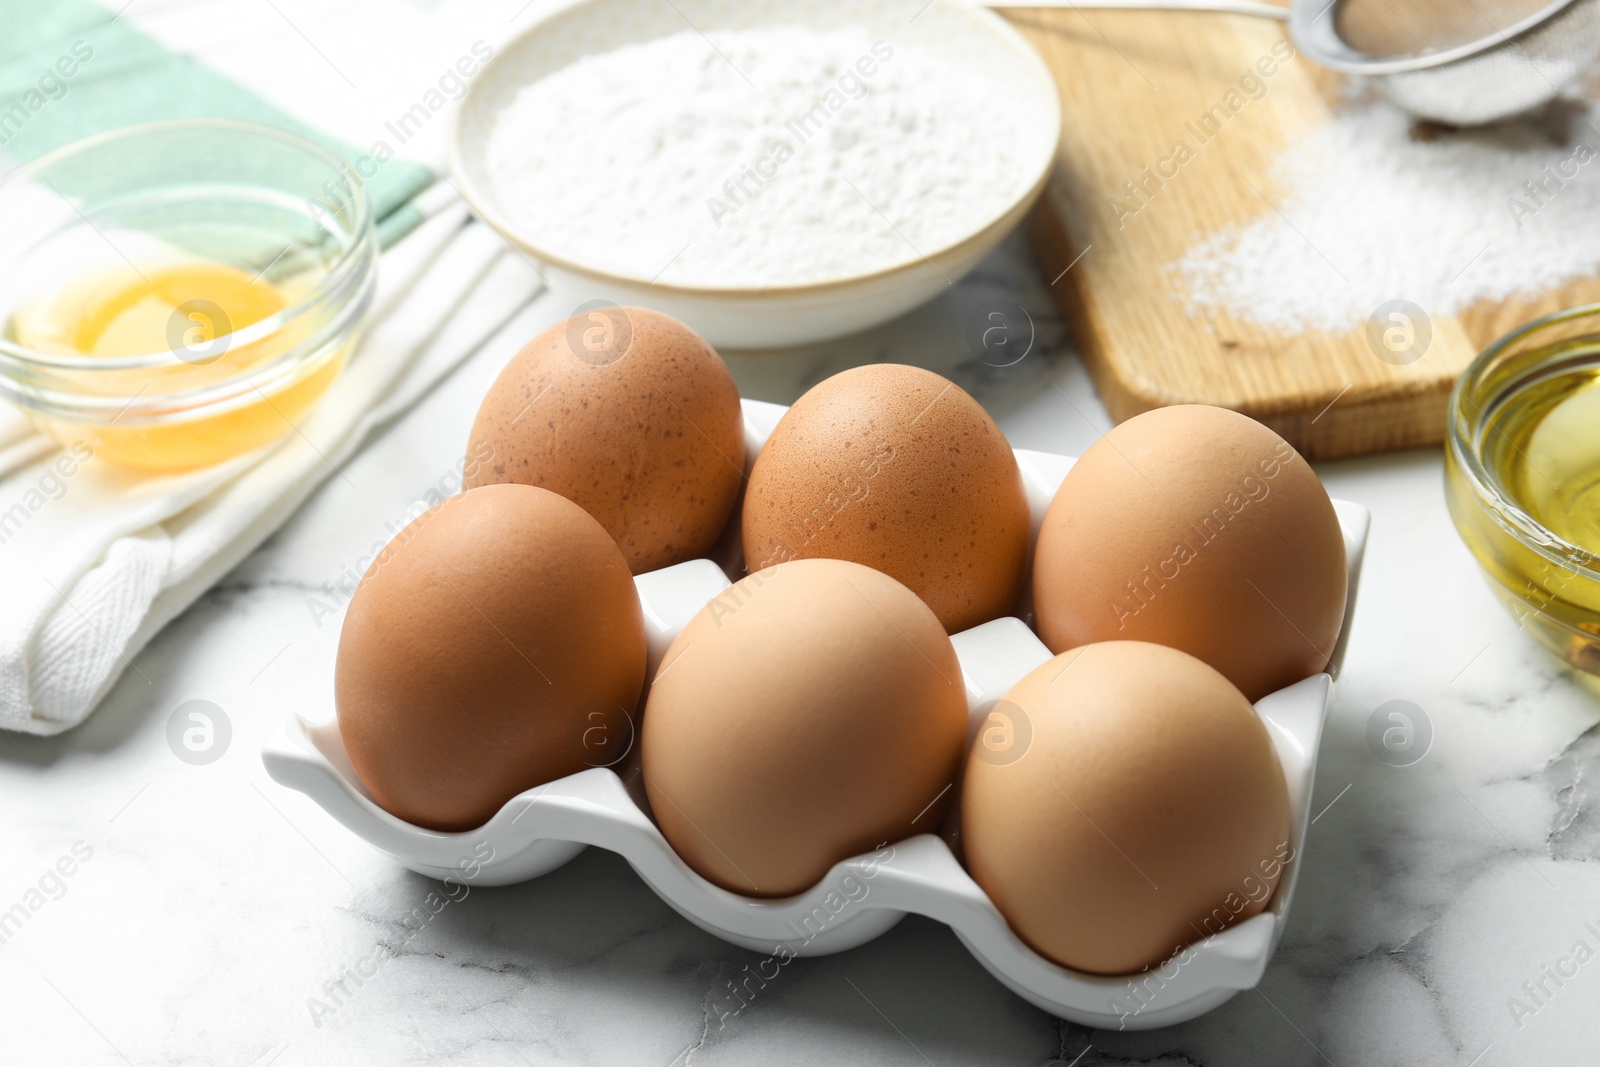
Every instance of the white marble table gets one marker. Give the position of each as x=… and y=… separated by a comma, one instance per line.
x=220, y=919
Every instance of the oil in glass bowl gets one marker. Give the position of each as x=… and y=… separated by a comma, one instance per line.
x=1523, y=477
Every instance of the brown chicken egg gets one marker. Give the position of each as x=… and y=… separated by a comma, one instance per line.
x=1148, y=810
x=481, y=651
x=1199, y=528
x=632, y=415
x=899, y=469
x=809, y=713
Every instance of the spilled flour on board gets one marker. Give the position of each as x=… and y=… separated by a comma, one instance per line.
x=1367, y=213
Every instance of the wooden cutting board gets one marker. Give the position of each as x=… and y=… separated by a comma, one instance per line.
x=1133, y=84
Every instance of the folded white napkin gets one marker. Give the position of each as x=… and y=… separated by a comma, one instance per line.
x=94, y=560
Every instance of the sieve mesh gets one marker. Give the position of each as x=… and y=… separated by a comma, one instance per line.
x=1507, y=79
x=1480, y=82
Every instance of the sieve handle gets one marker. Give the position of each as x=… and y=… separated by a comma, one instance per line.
x=1225, y=7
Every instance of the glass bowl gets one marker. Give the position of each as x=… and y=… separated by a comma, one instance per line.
x=1522, y=476
x=162, y=221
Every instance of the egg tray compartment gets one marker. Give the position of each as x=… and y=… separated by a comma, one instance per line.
x=542, y=828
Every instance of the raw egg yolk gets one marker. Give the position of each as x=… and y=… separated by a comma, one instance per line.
x=184, y=307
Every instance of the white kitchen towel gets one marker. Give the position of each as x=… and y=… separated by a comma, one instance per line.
x=94, y=560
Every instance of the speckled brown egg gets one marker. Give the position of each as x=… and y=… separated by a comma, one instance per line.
x=808, y=714
x=482, y=650
x=631, y=414
x=899, y=469
x=1148, y=810
x=1199, y=528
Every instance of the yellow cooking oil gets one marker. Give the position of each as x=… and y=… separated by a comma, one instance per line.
x=202, y=406
x=1549, y=457
x=1541, y=448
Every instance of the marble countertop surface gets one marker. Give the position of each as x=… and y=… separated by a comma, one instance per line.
x=1448, y=912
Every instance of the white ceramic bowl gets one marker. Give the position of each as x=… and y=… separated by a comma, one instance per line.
x=767, y=316
x=540, y=829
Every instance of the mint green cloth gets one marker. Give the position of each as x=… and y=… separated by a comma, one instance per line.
x=129, y=77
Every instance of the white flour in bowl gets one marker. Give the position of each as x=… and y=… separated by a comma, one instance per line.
x=1370, y=215
x=773, y=156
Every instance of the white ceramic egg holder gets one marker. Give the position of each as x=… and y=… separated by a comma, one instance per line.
x=541, y=829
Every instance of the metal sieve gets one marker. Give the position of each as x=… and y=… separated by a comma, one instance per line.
x=1507, y=71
